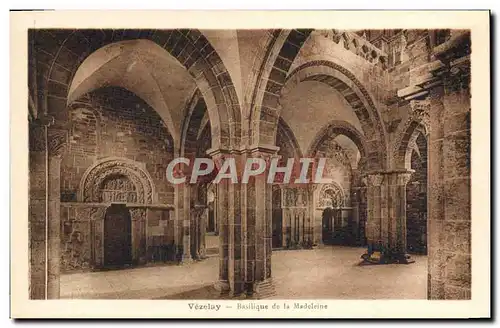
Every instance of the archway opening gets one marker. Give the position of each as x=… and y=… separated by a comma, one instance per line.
x=416, y=198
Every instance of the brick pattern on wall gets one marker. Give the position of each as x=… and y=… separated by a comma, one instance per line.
x=114, y=122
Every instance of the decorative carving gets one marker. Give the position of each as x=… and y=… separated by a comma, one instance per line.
x=137, y=214
x=118, y=188
x=419, y=115
x=97, y=213
x=331, y=195
x=57, y=141
x=76, y=240
x=94, y=177
x=375, y=180
x=403, y=178
x=295, y=197
x=420, y=112
x=359, y=46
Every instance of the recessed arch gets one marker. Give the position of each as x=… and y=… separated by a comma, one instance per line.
x=189, y=47
x=334, y=128
x=95, y=175
x=413, y=131
x=332, y=192
x=287, y=134
x=282, y=49
x=356, y=96
x=194, y=115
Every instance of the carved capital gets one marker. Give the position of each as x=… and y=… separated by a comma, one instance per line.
x=420, y=112
x=97, y=213
x=57, y=141
x=137, y=214
x=375, y=180
x=403, y=178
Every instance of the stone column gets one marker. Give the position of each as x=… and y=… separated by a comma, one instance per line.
x=138, y=217
x=182, y=223
x=374, y=217
x=355, y=215
x=37, y=219
x=186, y=222
x=222, y=219
x=259, y=228
x=46, y=146
x=202, y=254
x=397, y=181
x=245, y=229
x=386, y=221
x=449, y=204
x=54, y=227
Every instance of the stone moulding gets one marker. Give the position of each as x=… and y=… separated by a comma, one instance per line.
x=97, y=173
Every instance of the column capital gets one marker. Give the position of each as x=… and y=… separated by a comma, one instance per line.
x=375, y=179
x=57, y=141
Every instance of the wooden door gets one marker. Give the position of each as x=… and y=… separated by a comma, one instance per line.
x=117, y=236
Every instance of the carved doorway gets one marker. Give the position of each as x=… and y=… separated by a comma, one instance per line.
x=117, y=237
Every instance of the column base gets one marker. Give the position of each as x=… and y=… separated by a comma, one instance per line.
x=261, y=289
x=185, y=259
x=223, y=288
x=381, y=256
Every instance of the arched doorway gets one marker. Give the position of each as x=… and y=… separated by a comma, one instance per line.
x=331, y=200
x=117, y=236
x=328, y=226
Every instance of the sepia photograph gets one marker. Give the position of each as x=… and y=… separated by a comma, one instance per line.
x=234, y=168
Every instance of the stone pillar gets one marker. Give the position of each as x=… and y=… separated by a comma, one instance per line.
x=37, y=222
x=182, y=224
x=198, y=231
x=186, y=222
x=222, y=218
x=374, y=217
x=46, y=147
x=203, y=217
x=245, y=229
x=259, y=229
x=386, y=221
x=449, y=204
x=54, y=227
x=397, y=181
x=355, y=215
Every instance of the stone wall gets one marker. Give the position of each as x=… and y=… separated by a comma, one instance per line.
x=82, y=235
x=112, y=122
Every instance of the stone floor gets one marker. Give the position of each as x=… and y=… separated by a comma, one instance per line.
x=329, y=273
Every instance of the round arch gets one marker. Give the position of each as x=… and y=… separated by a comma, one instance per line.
x=351, y=89
x=356, y=96
x=189, y=47
x=331, y=194
x=413, y=131
x=192, y=124
x=95, y=175
x=286, y=132
x=334, y=128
